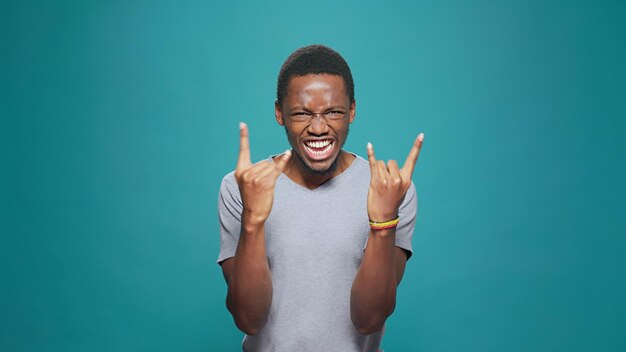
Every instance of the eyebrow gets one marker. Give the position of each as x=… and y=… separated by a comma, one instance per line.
x=333, y=107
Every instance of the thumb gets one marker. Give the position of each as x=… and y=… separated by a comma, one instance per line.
x=282, y=160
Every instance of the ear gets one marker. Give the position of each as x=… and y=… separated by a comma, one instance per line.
x=278, y=114
x=352, y=111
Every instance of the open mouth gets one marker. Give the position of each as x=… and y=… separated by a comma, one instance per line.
x=319, y=149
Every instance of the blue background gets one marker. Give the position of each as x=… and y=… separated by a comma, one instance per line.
x=119, y=119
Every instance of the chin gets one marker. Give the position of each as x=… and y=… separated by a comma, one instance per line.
x=317, y=155
x=324, y=169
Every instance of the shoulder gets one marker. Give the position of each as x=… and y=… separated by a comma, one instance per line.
x=360, y=164
x=229, y=196
x=229, y=184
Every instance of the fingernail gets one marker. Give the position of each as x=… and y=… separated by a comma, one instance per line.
x=242, y=125
x=420, y=137
x=369, y=145
x=288, y=152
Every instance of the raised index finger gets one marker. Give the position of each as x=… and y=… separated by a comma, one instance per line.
x=411, y=159
x=244, y=146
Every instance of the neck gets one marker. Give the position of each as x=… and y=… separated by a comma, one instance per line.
x=301, y=175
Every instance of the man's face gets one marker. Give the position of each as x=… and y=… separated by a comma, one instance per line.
x=316, y=113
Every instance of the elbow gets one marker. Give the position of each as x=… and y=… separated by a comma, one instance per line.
x=370, y=327
x=250, y=319
x=245, y=322
x=371, y=322
x=248, y=327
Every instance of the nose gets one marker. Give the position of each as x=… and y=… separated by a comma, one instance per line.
x=318, y=125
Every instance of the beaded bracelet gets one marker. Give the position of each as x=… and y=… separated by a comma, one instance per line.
x=384, y=225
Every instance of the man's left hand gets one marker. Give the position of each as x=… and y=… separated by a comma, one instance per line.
x=389, y=184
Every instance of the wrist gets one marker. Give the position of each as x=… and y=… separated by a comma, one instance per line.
x=384, y=225
x=385, y=233
x=382, y=216
x=251, y=222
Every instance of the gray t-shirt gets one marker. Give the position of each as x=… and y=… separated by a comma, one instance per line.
x=314, y=243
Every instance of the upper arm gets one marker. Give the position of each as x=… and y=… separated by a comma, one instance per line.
x=404, y=231
x=229, y=207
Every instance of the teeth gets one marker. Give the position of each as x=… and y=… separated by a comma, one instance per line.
x=318, y=144
x=316, y=152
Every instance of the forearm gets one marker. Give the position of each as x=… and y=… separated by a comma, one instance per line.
x=250, y=285
x=373, y=296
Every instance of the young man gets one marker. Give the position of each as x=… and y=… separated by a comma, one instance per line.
x=314, y=241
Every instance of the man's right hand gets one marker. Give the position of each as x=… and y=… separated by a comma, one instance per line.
x=256, y=181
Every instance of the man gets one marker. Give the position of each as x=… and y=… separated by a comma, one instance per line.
x=314, y=241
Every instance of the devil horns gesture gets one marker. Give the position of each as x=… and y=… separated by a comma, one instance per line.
x=389, y=183
x=257, y=181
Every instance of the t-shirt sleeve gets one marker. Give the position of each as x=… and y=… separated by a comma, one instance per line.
x=229, y=208
x=406, y=225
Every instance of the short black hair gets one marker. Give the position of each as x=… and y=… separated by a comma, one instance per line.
x=314, y=59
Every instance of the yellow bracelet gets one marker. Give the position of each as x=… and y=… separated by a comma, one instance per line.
x=384, y=225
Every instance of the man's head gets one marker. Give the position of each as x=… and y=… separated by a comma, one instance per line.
x=315, y=102
x=311, y=60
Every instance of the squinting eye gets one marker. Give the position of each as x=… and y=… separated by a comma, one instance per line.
x=335, y=114
x=300, y=116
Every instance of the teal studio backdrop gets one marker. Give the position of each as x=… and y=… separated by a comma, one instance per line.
x=119, y=120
